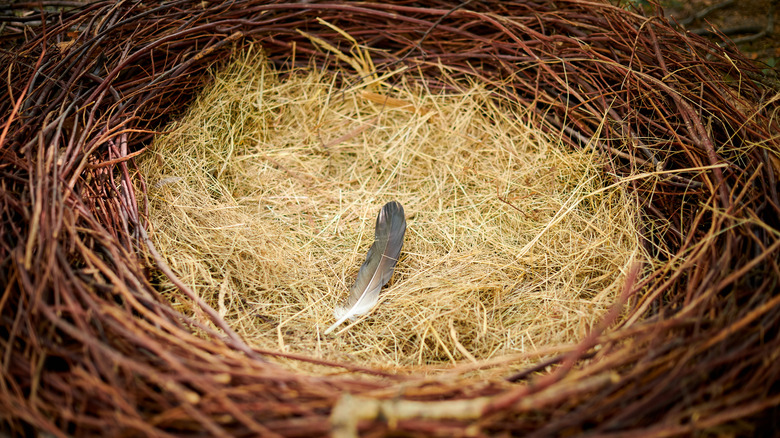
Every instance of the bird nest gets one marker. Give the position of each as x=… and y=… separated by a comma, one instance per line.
x=671, y=136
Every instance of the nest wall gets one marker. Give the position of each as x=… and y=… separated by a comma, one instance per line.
x=90, y=347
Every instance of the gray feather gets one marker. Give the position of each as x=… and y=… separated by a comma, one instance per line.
x=378, y=267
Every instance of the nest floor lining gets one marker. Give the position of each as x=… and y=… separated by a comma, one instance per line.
x=263, y=199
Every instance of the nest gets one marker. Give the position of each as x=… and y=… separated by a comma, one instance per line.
x=94, y=346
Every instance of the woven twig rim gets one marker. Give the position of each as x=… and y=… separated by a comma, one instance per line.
x=89, y=347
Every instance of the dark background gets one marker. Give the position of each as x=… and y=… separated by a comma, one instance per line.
x=752, y=25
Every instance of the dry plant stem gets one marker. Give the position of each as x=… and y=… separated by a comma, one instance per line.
x=91, y=346
x=346, y=366
x=235, y=340
x=500, y=403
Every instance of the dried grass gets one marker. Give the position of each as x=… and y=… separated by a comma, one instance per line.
x=264, y=197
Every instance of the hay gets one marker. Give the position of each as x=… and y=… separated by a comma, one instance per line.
x=264, y=197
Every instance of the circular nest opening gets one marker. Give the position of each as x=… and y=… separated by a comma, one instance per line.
x=523, y=138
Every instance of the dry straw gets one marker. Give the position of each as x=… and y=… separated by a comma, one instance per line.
x=264, y=195
x=666, y=132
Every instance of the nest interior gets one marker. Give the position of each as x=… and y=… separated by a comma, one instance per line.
x=686, y=129
x=263, y=199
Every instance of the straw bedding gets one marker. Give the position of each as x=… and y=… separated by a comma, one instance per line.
x=263, y=197
x=103, y=332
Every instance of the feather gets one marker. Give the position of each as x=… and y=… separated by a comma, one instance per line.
x=378, y=267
